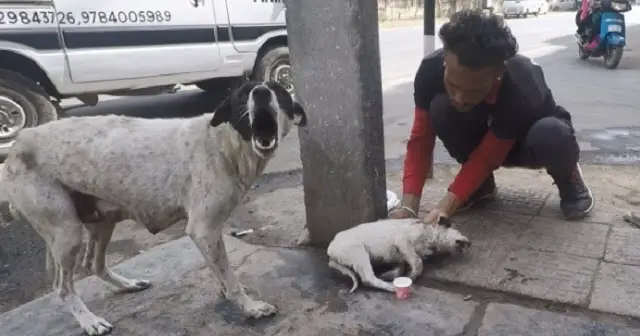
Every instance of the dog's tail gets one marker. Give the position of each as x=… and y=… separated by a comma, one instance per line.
x=346, y=271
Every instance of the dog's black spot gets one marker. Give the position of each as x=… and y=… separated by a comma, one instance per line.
x=222, y=113
x=233, y=113
x=444, y=221
x=28, y=158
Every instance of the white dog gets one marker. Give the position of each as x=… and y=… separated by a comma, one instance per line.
x=93, y=172
x=354, y=252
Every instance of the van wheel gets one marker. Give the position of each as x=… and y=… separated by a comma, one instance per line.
x=275, y=65
x=23, y=104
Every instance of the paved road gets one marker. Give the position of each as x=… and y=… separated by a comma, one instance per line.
x=603, y=103
x=604, y=114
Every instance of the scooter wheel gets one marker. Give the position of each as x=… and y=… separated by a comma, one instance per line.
x=582, y=54
x=613, y=57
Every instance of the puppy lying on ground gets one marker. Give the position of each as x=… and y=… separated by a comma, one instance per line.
x=391, y=242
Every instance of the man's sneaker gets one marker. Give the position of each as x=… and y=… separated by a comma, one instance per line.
x=576, y=200
x=486, y=192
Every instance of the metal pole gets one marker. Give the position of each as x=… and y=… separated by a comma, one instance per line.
x=429, y=26
x=429, y=44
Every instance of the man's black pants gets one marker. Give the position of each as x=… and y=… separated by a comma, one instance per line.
x=550, y=142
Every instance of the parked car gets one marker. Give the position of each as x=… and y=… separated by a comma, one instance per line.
x=521, y=8
x=563, y=5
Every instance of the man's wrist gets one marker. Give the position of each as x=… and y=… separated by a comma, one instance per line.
x=411, y=201
x=449, y=204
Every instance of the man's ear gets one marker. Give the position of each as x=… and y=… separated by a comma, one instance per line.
x=222, y=113
x=299, y=116
x=444, y=221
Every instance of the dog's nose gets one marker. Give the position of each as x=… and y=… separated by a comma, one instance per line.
x=463, y=243
x=261, y=95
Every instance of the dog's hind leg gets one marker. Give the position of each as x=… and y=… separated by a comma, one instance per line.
x=359, y=260
x=103, y=232
x=89, y=253
x=48, y=207
x=52, y=269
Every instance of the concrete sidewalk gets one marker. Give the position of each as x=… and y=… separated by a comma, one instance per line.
x=310, y=298
x=528, y=273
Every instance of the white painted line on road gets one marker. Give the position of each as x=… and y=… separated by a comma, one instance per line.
x=544, y=50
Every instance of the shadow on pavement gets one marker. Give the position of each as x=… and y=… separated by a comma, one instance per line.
x=180, y=104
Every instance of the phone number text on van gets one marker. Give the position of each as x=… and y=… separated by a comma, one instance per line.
x=84, y=17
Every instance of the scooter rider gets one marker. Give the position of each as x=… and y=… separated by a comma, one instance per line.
x=590, y=15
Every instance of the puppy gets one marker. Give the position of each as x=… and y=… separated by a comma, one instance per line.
x=392, y=241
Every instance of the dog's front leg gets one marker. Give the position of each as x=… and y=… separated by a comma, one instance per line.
x=413, y=259
x=208, y=238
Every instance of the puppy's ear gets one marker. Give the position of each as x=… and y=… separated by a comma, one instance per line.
x=299, y=116
x=222, y=113
x=444, y=221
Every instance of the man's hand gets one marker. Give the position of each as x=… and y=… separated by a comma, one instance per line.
x=432, y=217
x=408, y=209
x=446, y=207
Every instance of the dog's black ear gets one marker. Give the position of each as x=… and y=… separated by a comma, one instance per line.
x=299, y=116
x=444, y=221
x=222, y=113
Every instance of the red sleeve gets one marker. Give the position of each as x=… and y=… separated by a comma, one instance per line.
x=486, y=158
x=419, y=153
x=584, y=9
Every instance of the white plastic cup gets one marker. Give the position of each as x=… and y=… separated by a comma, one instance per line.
x=403, y=287
x=392, y=200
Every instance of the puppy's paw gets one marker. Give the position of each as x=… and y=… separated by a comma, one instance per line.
x=97, y=327
x=257, y=309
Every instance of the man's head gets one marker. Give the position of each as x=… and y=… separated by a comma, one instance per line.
x=476, y=47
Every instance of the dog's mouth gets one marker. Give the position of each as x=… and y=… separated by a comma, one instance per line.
x=462, y=246
x=264, y=132
x=265, y=145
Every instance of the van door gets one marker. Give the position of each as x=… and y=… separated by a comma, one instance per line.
x=125, y=39
x=251, y=19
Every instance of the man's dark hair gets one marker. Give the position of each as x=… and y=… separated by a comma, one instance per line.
x=477, y=39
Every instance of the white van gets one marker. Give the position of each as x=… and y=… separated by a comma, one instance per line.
x=56, y=49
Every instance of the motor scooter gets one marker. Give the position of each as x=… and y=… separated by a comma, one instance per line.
x=612, y=37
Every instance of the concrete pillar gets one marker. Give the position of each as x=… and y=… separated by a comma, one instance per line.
x=336, y=65
x=429, y=30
